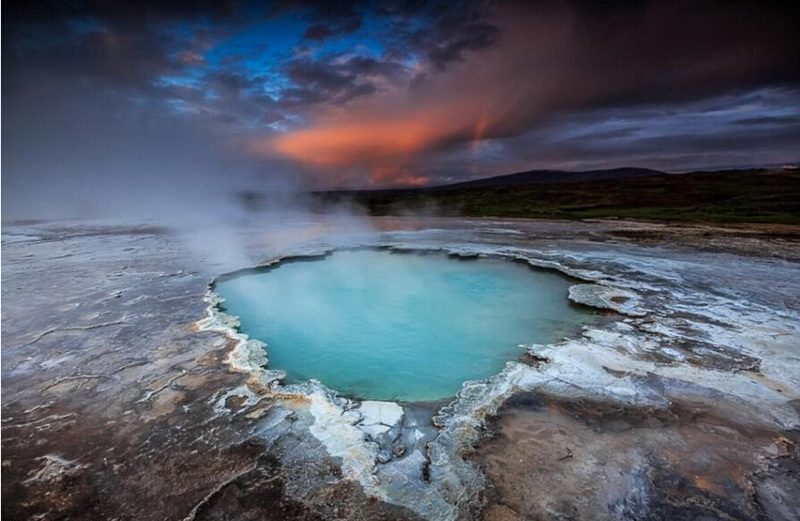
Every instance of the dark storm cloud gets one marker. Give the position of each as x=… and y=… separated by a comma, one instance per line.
x=108, y=44
x=125, y=46
x=390, y=91
x=336, y=79
x=616, y=133
x=471, y=37
x=672, y=137
x=684, y=50
x=323, y=77
x=441, y=30
x=113, y=59
x=319, y=32
x=449, y=30
x=119, y=14
x=326, y=18
x=457, y=27
x=555, y=57
x=231, y=80
x=653, y=52
x=316, y=94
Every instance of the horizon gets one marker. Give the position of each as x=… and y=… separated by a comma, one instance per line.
x=775, y=166
x=125, y=108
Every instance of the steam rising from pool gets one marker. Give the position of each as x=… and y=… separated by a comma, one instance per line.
x=394, y=326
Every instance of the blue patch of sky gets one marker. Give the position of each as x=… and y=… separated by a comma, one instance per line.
x=84, y=26
x=254, y=51
x=258, y=50
x=259, y=47
x=355, y=44
x=179, y=106
x=192, y=81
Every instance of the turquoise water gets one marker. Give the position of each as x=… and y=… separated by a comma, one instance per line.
x=405, y=327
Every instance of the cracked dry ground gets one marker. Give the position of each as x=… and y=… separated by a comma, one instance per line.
x=109, y=396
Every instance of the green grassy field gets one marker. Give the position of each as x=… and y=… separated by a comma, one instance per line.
x=761, y=196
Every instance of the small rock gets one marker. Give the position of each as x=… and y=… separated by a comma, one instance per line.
x=384, y=456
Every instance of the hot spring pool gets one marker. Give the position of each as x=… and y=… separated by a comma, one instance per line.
x=406, y=327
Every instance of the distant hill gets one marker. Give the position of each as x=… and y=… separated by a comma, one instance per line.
x=552, y=176
x=751, y=195
x=765, y=195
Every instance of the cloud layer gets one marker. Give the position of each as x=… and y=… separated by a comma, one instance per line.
x=548, y=60
x=164, y=95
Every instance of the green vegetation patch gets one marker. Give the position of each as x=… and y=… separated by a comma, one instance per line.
x=764, y=196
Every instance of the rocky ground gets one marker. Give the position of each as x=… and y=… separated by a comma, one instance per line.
x=121, y=399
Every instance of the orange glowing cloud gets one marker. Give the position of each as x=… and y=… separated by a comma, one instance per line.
x=379, y=144
x=369, y=143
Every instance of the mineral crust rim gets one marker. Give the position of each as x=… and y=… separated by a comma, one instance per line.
x=335, y=424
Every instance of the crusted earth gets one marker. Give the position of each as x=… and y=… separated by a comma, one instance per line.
x=128, y=394
x=553, y=459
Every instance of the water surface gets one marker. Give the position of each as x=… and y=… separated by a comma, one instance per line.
x=395, y=326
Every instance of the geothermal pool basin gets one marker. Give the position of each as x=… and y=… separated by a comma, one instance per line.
x=407, y=327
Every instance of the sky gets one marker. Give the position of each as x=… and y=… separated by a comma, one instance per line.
x=113, y=104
